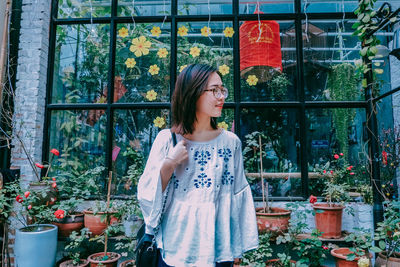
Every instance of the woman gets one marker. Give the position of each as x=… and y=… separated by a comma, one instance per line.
x=210, y=217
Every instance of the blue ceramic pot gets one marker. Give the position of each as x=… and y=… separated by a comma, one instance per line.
x=36, y=245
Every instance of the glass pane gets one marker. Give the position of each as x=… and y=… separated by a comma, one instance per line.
x=204, y=7
x=142, y=65
x=81, y=64
x=83, y=8
x=80, y=136
x=226, y=120
x=336, y=131
x=144, y=8
x=279, y=131
x=134, y=133
x=330, y=52
x=267, y=61
x=319, y=6
x=272, y=6
x=207, y=43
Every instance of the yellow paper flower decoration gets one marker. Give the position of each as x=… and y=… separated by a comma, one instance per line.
x=182, y=31
x=140, y=46
x=229, y=32
x=182, y=68
x=123, y=32
x=159, y=122
x=223, y=125
x=194, y=51
x=102, y=100
x=156, y=31
x=130, y=62
x=363, y=262
x=151, y=95
x=205, y=31
x=224, y=69
x=154, y=69
x=252, y=80
x=162, y=53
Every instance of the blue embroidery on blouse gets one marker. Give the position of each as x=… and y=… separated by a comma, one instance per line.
x=202, y=157
x=202, y=181
x=225, y=153
x=227, y=178
x=176, y=183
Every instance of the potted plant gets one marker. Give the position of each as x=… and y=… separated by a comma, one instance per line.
x=67, y=218
x=387, y=236
x=106, y=258
x=268, y=218
x=356, y=255
x=36, y=244
x=95, y=218
x=74, y=249
x=328, y=216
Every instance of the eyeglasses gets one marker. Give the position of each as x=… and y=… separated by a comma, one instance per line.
x=219, y=91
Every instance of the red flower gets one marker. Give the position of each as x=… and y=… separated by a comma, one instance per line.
x=341, y=154
x=26, y=194
x=349, y=168
x=313, y=199
x=336, y=156
x=39, y=165
x=325, y=247
x=55, y=152
x=54, y=185
x=19, y=199
x=29, y=207
x=384, y=157
x=59, y=214
x=352, y=173
x=54, y=179
x=324, y=171
x=331, y=172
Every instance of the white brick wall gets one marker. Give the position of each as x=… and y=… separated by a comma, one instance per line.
x=31, y=84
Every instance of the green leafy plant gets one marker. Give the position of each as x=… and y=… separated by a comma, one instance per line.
x=361, y=241
x=259, y=256
x=387, y=234
x=311, y=250
x=75, y=245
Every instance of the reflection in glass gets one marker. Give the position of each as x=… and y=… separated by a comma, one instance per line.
x=134, y=133
x=81, y=64
x=279, y=133
x=84, y=8
x=267, y=61
x=204, y=7
x=142, y=62
x=80, y=136
x=330, y=54
x=336, y=131
x=144, y=8
x=207, y=43
x=269, y=7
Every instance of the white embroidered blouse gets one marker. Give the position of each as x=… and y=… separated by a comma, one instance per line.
x=209, y=215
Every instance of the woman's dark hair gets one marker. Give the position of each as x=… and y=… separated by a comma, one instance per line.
x=189, y=86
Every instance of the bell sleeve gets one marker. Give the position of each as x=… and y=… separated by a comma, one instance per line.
x=149, y=191
x=243, y=213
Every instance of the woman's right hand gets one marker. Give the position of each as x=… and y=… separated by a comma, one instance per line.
x=178, y=154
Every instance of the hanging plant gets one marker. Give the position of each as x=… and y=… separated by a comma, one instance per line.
x=342, y=86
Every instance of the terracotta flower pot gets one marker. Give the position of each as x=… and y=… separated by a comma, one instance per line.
x=94, y=223
x=340, y=255
x=392, y=261
x=276, y=221
x=68, y=263
x=127, y=263
x=69, y=224
x=329, y=221
x=95, y=259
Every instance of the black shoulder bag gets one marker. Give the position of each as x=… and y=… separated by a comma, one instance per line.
x=146, y=249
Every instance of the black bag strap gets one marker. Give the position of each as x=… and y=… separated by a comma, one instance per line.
x=157, y=229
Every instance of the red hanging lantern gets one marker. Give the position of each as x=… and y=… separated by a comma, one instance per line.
x=260, y=54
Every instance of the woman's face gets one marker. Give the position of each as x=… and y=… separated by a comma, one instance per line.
x=208, y=104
